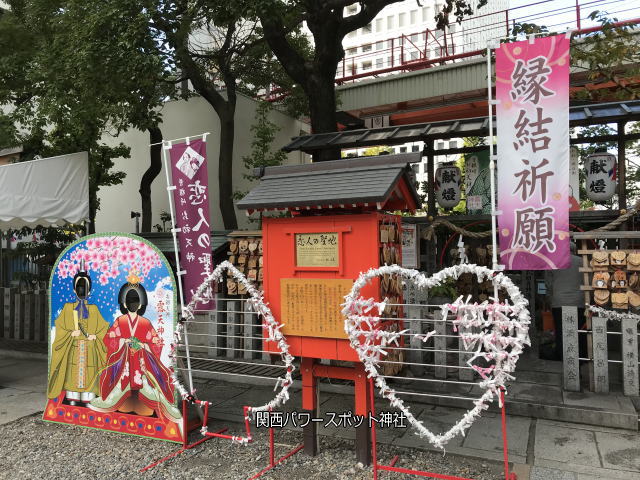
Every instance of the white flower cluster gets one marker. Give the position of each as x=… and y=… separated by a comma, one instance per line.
x=502, y=337
x=204, y=293
x=613, y=315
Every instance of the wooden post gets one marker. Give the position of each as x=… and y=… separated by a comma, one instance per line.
x=570, y=354
x=415, y=328
x=216, y=319
x=586, y=280
x=622, y=166
x=440, y=345
x=248, y=332
x=630, y=357
x=9, y=305
x=38, y=324
x=2, y=320
x=232, y=327
x=47, y=315
x=600, y=355
x=464, y=374
x=27, y=333
x=18, y=319
x=431, y=192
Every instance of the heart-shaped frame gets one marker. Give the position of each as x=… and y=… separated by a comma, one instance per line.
x=204, y=293
x=494, y=319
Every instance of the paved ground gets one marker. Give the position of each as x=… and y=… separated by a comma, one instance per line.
x=540, y=449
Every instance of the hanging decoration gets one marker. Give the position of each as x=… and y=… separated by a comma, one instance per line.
x=447, y=186
x=601, y=176
x=273, y=328
x=499, y=336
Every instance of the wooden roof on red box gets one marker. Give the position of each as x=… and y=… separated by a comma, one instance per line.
x=383, y=182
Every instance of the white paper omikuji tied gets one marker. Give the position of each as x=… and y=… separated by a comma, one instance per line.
x=613, y=315
x=258, y=305
x=502, y=331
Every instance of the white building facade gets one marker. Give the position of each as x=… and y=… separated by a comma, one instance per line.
x=181, y=119
x=405, y=32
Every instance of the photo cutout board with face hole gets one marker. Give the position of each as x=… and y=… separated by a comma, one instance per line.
x=113, y=314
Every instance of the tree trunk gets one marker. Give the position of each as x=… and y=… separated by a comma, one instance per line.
x=322, y=108
x=155, y=166
x=91, y=228
x=225, y=165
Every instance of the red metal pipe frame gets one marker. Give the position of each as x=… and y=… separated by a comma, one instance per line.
x=185, y=445
x=272, y=453
x=220, y=434
x=415, y=65
x=392, y=468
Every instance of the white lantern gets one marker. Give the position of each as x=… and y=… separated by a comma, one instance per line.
x=447, y=187
x=601, y=170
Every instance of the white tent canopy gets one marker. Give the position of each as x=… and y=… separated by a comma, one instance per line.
x=50, y=191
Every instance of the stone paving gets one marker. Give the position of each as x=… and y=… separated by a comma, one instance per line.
x=540, y=449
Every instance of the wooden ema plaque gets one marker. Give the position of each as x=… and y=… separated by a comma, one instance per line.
x=311, y=307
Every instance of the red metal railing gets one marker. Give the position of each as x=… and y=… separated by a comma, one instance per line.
x=428, y=47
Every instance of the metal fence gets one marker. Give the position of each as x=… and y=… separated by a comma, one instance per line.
x=231, y=337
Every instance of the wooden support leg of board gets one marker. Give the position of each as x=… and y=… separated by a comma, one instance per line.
x=309, y=406
x=363, y=408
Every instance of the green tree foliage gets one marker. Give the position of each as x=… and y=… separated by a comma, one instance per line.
x=314, y=71
x=52, y=104
x=609, y=58
x=262, y=153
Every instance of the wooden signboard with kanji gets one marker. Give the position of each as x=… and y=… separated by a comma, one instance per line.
x=312, y=307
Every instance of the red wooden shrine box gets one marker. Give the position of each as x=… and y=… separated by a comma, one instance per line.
x=338, y=227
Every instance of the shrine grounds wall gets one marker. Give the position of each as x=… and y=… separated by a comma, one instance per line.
x=181, y=119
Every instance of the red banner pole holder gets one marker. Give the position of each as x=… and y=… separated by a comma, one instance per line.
x=392, y=466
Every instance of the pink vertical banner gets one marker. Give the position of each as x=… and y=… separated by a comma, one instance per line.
x=532, y=89
x=189, y=175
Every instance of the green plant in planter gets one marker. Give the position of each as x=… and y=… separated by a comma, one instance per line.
x=446, y=289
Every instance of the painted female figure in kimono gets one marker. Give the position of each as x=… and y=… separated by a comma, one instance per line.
x=135, y=380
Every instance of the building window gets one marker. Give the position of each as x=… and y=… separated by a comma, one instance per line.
x=415, y=148
x=403, y=149
x=389, y=61
x=379, y=62
x=425, y=14
x=389, y=22
x=414, y=38
x=379, y=45
x=413, y=16
x=453, y=144
x=366, y=28
x=379, y=25
x=402, y=19
x=414, y=55
x=366, y=48
x=352, y=51
x=366, y=65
